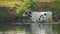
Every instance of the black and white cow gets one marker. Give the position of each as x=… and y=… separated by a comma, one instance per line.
x=38, y=16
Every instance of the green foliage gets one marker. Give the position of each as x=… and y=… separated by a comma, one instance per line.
x=28, y=1
x=23, y=8
x=33, y=5
x=58, y=9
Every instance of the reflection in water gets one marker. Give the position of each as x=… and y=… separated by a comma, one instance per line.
x=17, y=29
x=33, y=28
x=38, y=29
x=41, y=28
x=13, y=32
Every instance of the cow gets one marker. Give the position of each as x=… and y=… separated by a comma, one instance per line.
x=39, y=16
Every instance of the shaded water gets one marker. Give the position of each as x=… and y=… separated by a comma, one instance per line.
x=16, y=29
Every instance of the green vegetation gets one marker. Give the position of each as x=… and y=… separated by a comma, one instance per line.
x=58, y=9
x=28, y=5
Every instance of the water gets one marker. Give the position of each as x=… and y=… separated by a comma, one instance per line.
x=34, y=28
x=37, y=28
x=41, y=28
x=16, y=29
